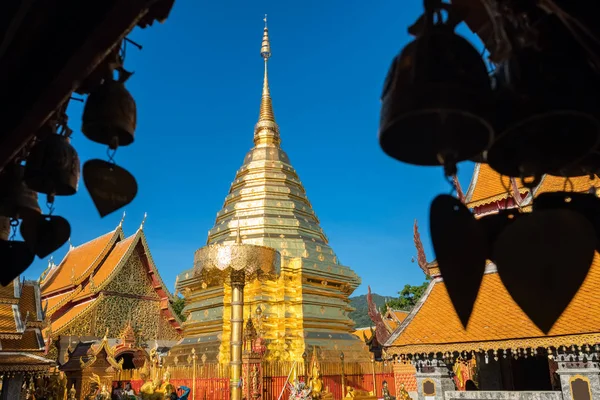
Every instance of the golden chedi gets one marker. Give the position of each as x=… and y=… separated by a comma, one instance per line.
x=307, y=304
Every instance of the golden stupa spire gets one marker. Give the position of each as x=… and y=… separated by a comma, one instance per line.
x=266, y=131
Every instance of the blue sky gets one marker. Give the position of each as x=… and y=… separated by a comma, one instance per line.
x=197, y=85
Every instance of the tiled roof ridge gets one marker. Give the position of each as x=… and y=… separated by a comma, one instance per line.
x=116, y=234
x=68, y=297
x=154, y=268
x=394, y=336
x=92, y=303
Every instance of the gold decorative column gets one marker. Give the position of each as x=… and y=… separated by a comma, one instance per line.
x=374, y=379
x=236, y=264
x=238, y=280
x=194, y=359
x=343, y=375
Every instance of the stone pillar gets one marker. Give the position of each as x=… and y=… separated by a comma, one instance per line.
x=579, y=375
x=11, y=387
x=433, y=379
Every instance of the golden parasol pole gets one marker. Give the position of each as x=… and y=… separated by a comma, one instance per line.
x=343, y=375
x=194, y=358
x=237, y=321
x=374, y=380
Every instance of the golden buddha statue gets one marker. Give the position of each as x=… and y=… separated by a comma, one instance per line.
x=72, y=392
x=315, y=383
x=403, y=394
x=166, y=388
x=150, y=390
x=385, y=391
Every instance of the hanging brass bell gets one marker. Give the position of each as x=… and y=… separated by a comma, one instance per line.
x=110, y=114
x=53, y=166
x=17, y=200
x=436, y=99
x=547, y=123
x=4, y=228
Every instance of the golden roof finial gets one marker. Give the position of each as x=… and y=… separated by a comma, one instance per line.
x=143, y=221
x=266, y=130
x=122, y=219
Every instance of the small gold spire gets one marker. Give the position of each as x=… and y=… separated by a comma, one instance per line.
x=143, y=221
x=266, y=130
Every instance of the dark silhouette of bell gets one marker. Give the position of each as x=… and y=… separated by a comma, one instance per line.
x=110, y=114
x=436, y=100
x=547, y=101
x=16, y=199
x=53, y=167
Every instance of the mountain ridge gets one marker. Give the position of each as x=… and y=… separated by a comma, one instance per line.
x=360, y=315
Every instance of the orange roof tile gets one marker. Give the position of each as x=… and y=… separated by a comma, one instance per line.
x=75, y=311
x=497, y=321
x=105, y=270
x=28, y=302
x=30, y=341
x=555, y=183
x=79, y=261
x=488, y=186
x=400, y=315
x=7, y=292
x=7, y=319
x=363, y=331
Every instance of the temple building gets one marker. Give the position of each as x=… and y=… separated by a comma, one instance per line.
x=307, y=305
x=22, y=346
x=102, y=286
x=502, y=350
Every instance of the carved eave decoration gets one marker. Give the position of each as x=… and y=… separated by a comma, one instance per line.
x=381, y=329
x=89, y=308
x=97, y=350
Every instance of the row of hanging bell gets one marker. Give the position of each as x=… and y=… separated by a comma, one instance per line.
x=547, y=112
x=437, y=96
x=110, y=118
x=439, y=106
x=17, y=201
x=530, y=250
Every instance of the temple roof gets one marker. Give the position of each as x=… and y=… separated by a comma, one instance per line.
x=497, y=322
x=267, y=203
x=21, y=320
x=487, y=186
x=76, y=285
x=78, y=264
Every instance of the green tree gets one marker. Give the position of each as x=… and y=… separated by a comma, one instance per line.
x=178, y=305
x=408, y=297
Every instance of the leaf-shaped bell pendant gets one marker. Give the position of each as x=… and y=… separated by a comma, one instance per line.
x=436, y=99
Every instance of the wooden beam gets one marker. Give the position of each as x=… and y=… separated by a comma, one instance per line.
x=119, y=21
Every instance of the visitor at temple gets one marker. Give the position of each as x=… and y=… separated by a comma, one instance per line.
x=128, y=392
x=117, y=392
x=184, y=395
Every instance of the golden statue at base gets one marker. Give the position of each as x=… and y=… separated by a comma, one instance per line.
x=403, y=394
x=385, y=391
x=167, y=387
x=148, y=391
x=315, y=381
x=358, y=393
x=72, y=392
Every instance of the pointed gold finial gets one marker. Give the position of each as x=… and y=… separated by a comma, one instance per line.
x=143, y=220
x=122, y=219
x=71, y=247
x=266, y=130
